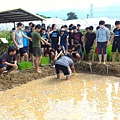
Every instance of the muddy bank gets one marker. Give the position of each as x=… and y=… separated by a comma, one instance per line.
x=101, y=69
x=22, y=77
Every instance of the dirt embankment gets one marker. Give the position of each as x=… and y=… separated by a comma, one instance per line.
x=22, y=77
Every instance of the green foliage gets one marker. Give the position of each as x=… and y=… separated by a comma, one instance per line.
x=109, y=54
x=25, y=65
x=71, y=16
x=45, y=61
x=4, y=46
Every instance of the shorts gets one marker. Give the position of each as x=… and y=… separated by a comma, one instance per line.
x=7, y=67
x=102, y=46
x=115, y=46
x=64, y=69
x=26, y=48
x=44, y=46
x=88, y=49
x=21, y=51
x=37, y=51
x=74, y=54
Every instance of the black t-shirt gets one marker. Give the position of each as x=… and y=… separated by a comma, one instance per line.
x=71, y=37
x=78, y=37
x=90, y=38
x=117, y=34
x=63, y=50
x=78, y=48
x=6, y=57
x=55, y=37
x=30, y=35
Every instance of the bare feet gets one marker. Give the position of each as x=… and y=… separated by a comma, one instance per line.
x=104, y=63
x=99, y=63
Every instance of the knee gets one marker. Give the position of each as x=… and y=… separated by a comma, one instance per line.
x=26, y=55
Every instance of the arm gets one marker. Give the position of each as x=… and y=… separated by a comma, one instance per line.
x=59, y=40
x=44, y=41
x=14, y=41
x=73, y=69
x=26, y=37
x=108, y=35
x=8, y=64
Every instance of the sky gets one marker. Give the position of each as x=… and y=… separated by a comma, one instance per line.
x=35, y=6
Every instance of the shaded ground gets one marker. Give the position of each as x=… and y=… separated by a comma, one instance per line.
x=22, y=77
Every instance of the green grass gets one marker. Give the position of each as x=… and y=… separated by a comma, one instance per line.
x=45, y=61
x=25, y=65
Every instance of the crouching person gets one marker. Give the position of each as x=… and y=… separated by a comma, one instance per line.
x=8, y=61
x=64, y=64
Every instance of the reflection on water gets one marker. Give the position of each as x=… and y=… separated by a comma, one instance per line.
x=91, y=107
x=83, y=97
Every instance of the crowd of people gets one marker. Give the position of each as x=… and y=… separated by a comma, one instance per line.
x=35, y=41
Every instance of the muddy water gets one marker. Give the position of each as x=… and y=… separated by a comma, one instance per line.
x=83, y=97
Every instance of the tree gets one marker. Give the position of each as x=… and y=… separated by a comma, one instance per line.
x=71, y=16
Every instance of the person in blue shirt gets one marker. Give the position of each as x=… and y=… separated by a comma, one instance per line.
x=102, y=38
x=25, y=40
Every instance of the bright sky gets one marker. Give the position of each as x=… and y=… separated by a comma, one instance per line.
x=46, y=5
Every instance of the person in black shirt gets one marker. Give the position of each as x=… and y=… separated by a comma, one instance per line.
x=54, y=37
x=44, y=35
x=31, y=44
x=78, y=37
x=89, y=46
x=8, y=61
x=116, y=41
x=59, y=52
x=70, y=39
x=50, y=52
x=76, y=50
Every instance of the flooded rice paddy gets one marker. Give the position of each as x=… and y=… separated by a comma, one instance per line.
x=83, y=97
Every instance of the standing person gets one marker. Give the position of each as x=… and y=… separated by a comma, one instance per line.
x=102, y=38
x=44, y=35
x=64, y=64
x=8, y=61
x=54, y=37
x=70, y=39
x=66, y=28
x=31, y=56
x=63, y=38
x=89, y=45
x=17, y=37
x=116, y=41
x=25, y=40
x=78, y=28
x=48, y=33
x=30, y=26
x=78, y=37
x=36, y=38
